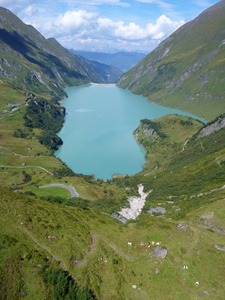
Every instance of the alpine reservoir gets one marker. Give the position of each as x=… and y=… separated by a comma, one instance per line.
x=98, y=130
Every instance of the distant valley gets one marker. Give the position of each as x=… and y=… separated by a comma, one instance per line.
x=123, y=61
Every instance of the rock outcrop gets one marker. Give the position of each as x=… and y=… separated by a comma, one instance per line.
x=160, y=252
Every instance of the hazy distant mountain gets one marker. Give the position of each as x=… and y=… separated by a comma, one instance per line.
x=186, y=70
x=123, y=61
x=42, y=66
x=106, y=73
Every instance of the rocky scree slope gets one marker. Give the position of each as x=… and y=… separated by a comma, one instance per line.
x=186, y=70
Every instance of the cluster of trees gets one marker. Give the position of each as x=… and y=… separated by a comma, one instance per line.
x=64, y=172
x=47, y=116
x=154, y=125
x=26, y=177
x=19, y=133
x=50, y=140
x=65, y=287
x=44, y=114
x=187, y=122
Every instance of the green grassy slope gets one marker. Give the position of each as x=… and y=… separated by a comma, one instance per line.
x=164, y=138
x=191, y=173
x=186, y=71
x=37, y=236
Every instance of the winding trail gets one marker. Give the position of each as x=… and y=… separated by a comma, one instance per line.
x=19, y=155
x=28, y=234
x=185, y=145
x=92, y=248
x=73, y=192
x=26, y=167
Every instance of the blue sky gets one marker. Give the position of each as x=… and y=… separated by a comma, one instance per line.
x=107, y=25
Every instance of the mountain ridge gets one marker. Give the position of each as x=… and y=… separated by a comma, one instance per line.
x=186, y=70
x=40, y=65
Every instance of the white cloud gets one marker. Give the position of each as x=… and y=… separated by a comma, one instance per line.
x=5, y=2
x=162, y=4
x=30, y=11
x=159, y=30
x=72, y=3
x=72, y=21
x=80, y=27
x=202, y=3
x=77, y=28
x=10, y=4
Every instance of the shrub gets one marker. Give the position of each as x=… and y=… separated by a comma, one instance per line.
x=50, y=140
x=65, y=287
x=115, y=261
x=19, y=133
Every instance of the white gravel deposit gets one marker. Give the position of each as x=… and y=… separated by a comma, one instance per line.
x=136, y=204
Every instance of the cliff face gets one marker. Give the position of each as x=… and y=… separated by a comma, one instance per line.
x=209, y=129
x=38, y=65
x=186, y=70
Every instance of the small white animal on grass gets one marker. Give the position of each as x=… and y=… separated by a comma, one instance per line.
x=158, y=243
x=129, y=244
x=153, y=243
x=185, y=267
x=196, y=283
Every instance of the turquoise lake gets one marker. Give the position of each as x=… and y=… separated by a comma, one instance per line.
x=97, y=133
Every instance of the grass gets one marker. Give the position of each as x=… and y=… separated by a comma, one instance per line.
x=51, y=191
x=95, y=241
x=10, y=95
x=161, y=149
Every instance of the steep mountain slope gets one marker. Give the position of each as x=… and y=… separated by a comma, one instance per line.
x=121, y=60
x=106, y=73
x=186, y=71
x=38, y=65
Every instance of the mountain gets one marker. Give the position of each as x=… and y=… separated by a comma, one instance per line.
x=122, y=60
x=186, y=71
x=106, y=73
x=42, y=66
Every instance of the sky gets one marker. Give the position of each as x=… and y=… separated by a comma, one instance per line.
x=107, y=25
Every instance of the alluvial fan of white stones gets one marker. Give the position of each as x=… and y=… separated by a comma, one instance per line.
x=136, y=204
